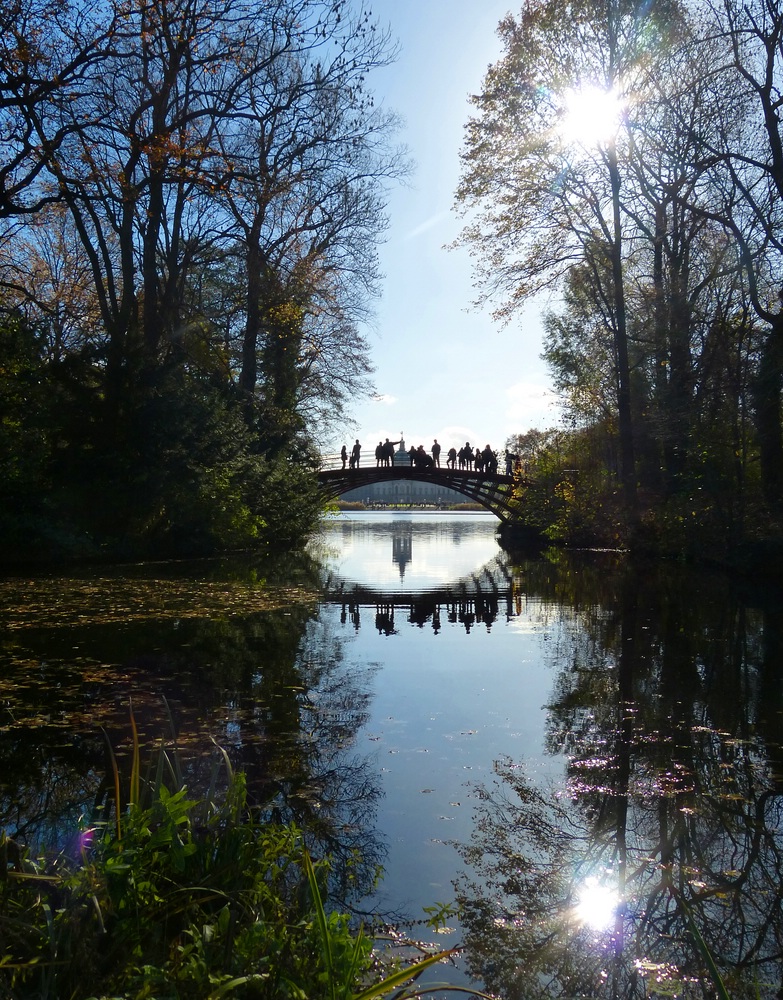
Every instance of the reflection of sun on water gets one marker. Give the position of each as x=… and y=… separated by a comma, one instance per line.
x=597, y=905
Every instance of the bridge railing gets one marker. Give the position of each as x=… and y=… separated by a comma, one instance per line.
x=330, y=462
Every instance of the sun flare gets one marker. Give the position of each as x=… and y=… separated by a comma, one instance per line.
x=591, y=115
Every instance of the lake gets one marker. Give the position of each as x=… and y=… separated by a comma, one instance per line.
x=581, y=752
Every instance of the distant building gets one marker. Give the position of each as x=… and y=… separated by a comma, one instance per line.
x=403, y=491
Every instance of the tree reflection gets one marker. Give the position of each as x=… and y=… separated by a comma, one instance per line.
x=270, y=687
x=671, y=804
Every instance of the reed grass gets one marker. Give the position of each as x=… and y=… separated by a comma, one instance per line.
x=175, y=897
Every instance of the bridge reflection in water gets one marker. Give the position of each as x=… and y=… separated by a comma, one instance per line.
x=480, y=598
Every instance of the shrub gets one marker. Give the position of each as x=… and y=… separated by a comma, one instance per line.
x=176, y=897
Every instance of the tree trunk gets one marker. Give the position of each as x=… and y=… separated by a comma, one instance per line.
x=624, y=414
x=149, y=266
x=248, y=375
x=768, y=420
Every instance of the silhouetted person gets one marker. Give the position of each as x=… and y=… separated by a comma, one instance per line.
x=478, y=458
x=356, y=454
x=412, y=454
x=384, y=619
x=468, y=456
x=466, y=614
x=422, y=459
x=388, y=452
x=344, y=455
x=379, y=455
x=436, y=453
x=452, y=459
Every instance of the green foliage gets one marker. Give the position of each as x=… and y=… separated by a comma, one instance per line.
x=173, y=471
x=181, y=897
x=567, y=494
x=286, y=495
x=579, y=350
x=190, y=476
x=24, y=440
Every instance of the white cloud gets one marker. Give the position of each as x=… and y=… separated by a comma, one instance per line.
x=458, y=434
x=531, y=404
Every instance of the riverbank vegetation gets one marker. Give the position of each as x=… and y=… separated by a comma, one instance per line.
x=169, y=895
x=192, y=196
x=629, y=159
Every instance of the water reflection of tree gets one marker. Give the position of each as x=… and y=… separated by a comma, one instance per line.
x=672, y=798
x=306, y=709
x=271, y=687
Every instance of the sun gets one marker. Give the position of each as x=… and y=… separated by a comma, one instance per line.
x=591, y=115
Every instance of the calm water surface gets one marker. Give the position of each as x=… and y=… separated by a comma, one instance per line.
x=438, y=616
x=583, y=753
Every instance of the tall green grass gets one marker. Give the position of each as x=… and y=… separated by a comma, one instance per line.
x=178, y=897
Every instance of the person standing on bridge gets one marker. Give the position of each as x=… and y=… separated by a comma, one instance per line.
x=490, y=460
x=356, y=454
x=388, y=452
x=344, y=455
x=436, y=453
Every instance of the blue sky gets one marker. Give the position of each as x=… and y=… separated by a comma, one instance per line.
x=443, y=368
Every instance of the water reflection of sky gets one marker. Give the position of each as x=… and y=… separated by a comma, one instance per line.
x=447, y=702
x=510, y=748
x=406, y=552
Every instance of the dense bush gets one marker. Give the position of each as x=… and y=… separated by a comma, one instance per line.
x=174, y=471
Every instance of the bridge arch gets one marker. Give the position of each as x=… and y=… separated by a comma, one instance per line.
x=496, y=493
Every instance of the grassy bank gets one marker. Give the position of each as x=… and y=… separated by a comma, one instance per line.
x=167, y=896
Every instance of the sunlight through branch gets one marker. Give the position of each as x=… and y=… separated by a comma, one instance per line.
x=592, y=115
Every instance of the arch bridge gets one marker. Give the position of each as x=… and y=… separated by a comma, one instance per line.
x=497, y=493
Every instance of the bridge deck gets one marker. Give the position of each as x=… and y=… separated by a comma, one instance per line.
x=495, y=492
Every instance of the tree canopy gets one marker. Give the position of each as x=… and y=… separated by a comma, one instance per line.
x=192, y=197
x=628, y=156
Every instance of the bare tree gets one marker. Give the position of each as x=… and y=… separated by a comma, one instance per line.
x=47, y=50
x=183, y=129
x=744, y=157
x=304, y=165
x=540, y=199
